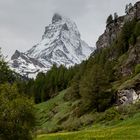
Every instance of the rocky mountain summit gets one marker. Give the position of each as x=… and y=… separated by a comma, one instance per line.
x=114, y=27
x=61, y=44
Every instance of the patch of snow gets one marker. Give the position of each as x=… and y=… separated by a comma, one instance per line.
x=61, y=44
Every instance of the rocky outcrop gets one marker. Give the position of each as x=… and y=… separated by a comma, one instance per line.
x=114, y=28
x=133, y=58
x=111, y=33
x=128, y=96
x=134, y=12
x=129, y=91
x=56, y=18
x=15, y=55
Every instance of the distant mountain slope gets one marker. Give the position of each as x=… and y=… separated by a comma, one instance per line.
x=61, y=44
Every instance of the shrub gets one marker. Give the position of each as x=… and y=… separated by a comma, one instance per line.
x=72, y=124
x=137, y=29
x=109, y=115
x=132, y=40
x=87, y=119
x=137, y=69
x=16, y=114
x=127, y=111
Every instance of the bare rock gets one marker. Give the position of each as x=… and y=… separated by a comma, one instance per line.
x=127, y=96
x=110, y=34
x=56, y=18
x=113, y=29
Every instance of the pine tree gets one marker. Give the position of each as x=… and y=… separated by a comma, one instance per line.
x=115, y=17
x=127, y=9
x=109, y=19
x=6, y=75
x=92, y=86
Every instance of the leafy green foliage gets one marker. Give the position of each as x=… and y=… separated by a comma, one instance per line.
x=48, y=85
x=132, y=40
x=137, y=29
x=73, y=92
x=137, y=69
x=92, y=89
x=16, y=111
x=6, y=75
x=16, y=114
x=126, y=36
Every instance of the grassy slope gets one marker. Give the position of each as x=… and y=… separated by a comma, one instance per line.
x=52, y=113
x=46, y=113
x=124, y=130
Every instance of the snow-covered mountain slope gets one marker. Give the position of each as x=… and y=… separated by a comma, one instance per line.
x=61, y=44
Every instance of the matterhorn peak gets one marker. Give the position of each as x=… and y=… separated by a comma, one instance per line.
x=56, y=17
x=61, y=44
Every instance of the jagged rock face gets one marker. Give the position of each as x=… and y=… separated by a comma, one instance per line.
x=56, y=18
x=128, y=96
x=114, y=28
x=137, y=7
x=133, y=58
x=25, y=65
x=134, y=12
x=61, y=44
x=110, y=34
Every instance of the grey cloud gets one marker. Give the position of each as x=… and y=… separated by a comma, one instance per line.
x=71, y=8
x=22, y=22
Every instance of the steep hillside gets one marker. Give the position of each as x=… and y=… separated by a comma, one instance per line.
x=56, y=115
x=114, y=27
x=110, y=77
x=50, y=114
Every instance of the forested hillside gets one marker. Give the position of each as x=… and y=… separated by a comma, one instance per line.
x=108, y=78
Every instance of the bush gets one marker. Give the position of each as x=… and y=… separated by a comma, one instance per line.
x=132, y=40
x=16, y=114
x=137, y=29
x=72, y=124
x=137, y=105
x=72, y=93
x=137, y=69
x=109, y=115
x=87, y=119
x=127, y=111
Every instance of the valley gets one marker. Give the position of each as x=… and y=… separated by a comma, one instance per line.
x=63, y=89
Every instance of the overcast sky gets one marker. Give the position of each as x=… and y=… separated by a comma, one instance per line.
x=22, y=22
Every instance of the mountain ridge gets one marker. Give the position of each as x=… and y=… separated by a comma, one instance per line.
x=61, y=44
x=114, y=28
